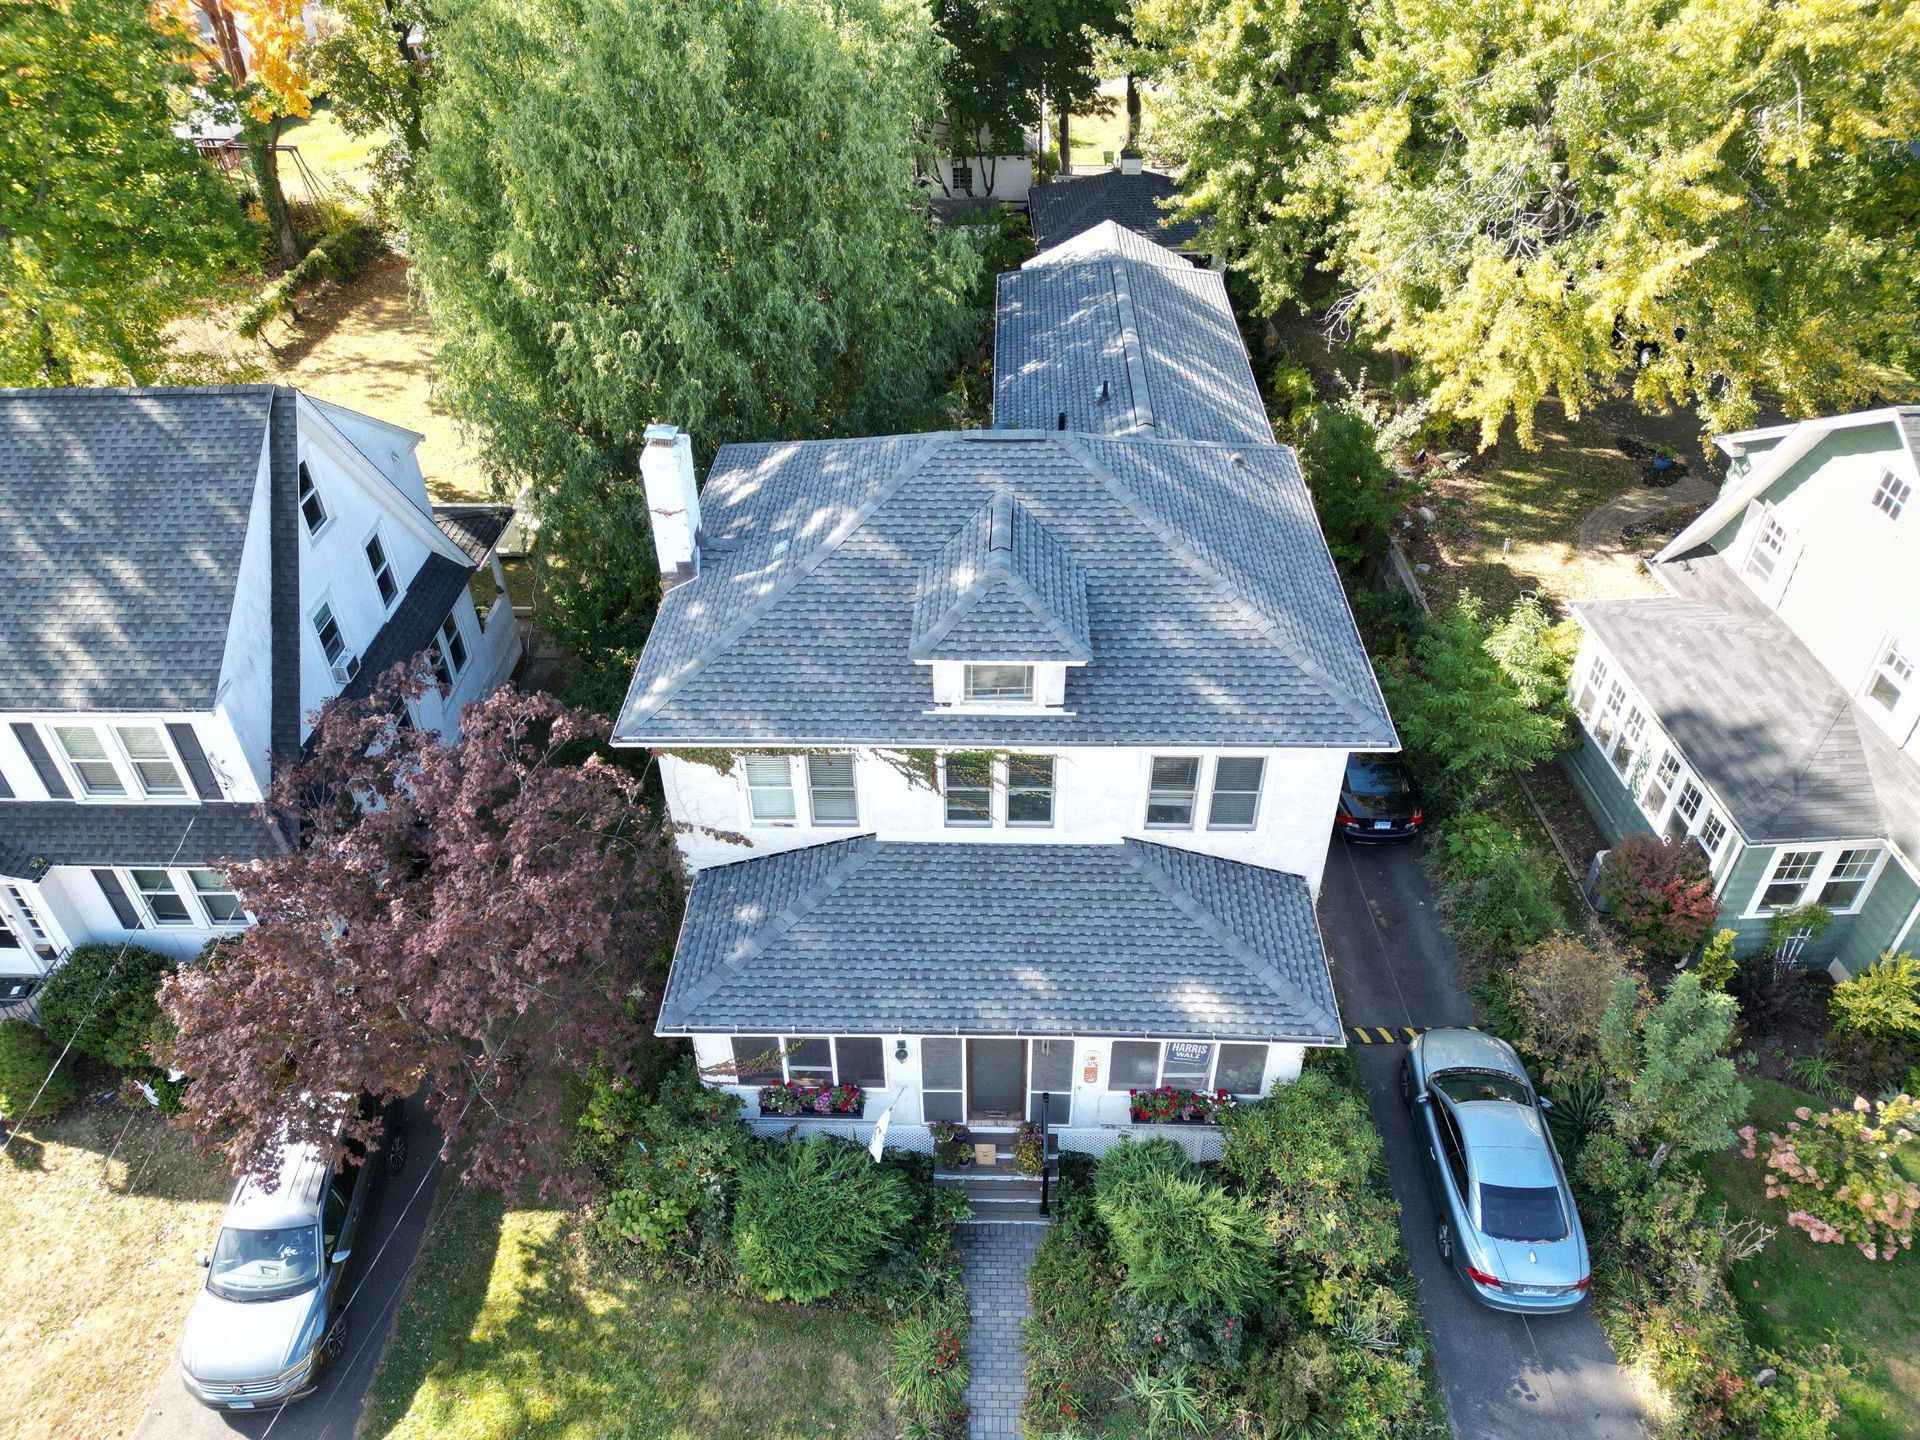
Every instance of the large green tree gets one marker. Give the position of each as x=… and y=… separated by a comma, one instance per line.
x=370, y=59
x=700, y=212
x=1712, y=198
x=1010, y=57
x=1246, y=89
x=109, y=225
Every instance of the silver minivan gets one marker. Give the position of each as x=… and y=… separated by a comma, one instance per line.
x=268, y=1319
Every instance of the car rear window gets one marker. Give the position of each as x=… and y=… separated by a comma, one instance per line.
x=1377, y=777
x=1464, y=1087
x=1522, y=1212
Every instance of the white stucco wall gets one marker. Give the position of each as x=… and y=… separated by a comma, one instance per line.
x=1100, y=797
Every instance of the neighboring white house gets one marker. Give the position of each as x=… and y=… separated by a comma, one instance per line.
x=1768, y=707
x=1006, y=760
x=193, y=573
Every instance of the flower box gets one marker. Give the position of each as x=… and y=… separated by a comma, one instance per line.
x=1170, y=1105
x=795, y=1101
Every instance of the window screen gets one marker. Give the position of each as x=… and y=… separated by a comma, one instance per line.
x=756, y=1059
x=1236, y=792
x=862, y=1060
x=770, y=790
x=1136, y=1065
x=830, y=790
x=940, y=1087
x=1050, y=1072
x=98, y=774
x=810, y=1058
x=1242, y=1069
x=1188, y=1062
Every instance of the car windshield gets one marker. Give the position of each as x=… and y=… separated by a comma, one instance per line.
x=1463, y=1087
x=265, y=1264
x=1522, y=1212
x=1386, y=779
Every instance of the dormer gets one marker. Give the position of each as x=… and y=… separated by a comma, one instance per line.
x=1000, y=614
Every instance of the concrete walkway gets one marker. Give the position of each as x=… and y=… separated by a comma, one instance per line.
x=994, y=1256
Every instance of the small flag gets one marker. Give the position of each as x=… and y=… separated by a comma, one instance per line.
x=878, y=1142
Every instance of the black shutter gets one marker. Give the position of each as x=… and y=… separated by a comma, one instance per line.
x=36, y=749
x=116, y=894
x=188, y=744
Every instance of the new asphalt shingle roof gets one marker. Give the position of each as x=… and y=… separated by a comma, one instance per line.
x=1121, y=345
x=122, y=517
x=476, y=529
x=1002, y=589
x=36, y=834
x=1048, y=939
x=414, y=622
x=1214, y=615
x=1789, y=752
x=1066, y=205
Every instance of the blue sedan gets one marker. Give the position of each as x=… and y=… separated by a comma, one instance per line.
x=1507, y=1223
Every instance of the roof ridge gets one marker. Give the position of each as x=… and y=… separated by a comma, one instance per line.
x=859, y=850
x=1779, y=789
x=1136, y=356
x=25, y=392
x=1183, y=547
x=1141, y=854
x=747, y=619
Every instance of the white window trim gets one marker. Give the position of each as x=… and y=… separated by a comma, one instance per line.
x=806, y=770
x=996, y=803
x=135, y=791
x=326, y=510
x=785, y=1043
x=1259, y=795
x=1003, y=769
x=1878, y=667
x=1029, y=701
x=1884, y=486
x=1829, y=856
x=348, y=654
x=399, y=590
x=1202, y=792
x=1213, y=1063
x=746, y=794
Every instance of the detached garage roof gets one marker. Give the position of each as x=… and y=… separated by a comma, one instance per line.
x=1069, y=204
x=1048, y=939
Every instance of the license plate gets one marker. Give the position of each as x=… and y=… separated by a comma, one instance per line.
x=1534, y=1289
x=1383, y=824
x=240, y=1404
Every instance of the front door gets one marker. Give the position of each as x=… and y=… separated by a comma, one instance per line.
x=997, y=1081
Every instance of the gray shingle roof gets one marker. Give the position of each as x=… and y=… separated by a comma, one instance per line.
x=1048, y=939
x=1790, y=753
x=476, y=529
x=1120, y=345
x=414, y=622
x=1068, y=204
x=1001, y=589
x=36, y=834
x=122, y=517
x=1108, y=239
x=1214, y=613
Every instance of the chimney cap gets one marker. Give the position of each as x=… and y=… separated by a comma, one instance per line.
x=662, y=434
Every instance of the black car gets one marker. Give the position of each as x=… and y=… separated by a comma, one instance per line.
x=1378, y=799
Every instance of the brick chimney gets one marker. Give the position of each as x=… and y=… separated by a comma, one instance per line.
x=673, y=502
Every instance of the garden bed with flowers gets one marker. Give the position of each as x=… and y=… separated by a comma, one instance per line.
x=1170, y=1105
x=800, y=1101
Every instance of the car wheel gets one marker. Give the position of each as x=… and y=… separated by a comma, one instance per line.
x=397, y=1152
x=1406, y=1081
x=1443, y=1240
x=335, y=1345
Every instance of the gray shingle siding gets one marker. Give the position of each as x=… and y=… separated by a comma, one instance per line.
x=1202, y=564
x=1044, y=939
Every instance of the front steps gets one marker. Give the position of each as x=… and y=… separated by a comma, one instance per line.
x=998, y=1192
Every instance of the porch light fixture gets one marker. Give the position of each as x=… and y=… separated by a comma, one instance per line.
x=900, y=1051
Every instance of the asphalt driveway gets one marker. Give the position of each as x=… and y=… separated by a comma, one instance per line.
x=376, y=1278
x=1505, y=1376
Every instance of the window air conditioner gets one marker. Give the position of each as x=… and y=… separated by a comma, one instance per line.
x=344, y=672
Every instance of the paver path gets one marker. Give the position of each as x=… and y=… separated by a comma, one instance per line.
x=1603, y=528
x=994, y=1256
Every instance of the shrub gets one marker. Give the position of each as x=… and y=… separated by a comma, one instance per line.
x=1564, y=984
x=1674, y=1087
x=816, y=1215
x=1186, y=1243
x=1313, y=1384
x=27, y=1058
x=1305, y=1156
x=1804, y=922
x=1495, y=889
x=1072, y=1286
x=1169, y=1402
x=1883, y=999
x=1771, y=993
x=1132, y=1164
x=672, y=1187
x=927, y=1367
x=1661, y=892
x=1839, y=1171
x=1536, y=655
x=105, y=999
x=1716, y=966
x=1351, y=480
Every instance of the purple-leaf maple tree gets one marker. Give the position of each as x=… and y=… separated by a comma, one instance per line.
x=477, y=918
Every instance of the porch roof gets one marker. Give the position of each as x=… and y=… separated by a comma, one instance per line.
x=1791, y=754
x=979, y=938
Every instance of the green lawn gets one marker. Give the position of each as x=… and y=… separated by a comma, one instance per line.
x=513, y=1328
x=339, y=161
x=1797, y=1293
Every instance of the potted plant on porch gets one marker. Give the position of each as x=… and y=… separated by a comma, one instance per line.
x=950, y=1148
x=1170, y=1105
x=1029, y=1149
x=803, y=1102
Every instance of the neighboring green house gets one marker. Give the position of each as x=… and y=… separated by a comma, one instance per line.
x=1766, y=707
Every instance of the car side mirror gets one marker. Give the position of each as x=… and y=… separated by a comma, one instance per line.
x=203, y=1260
x=340, y=1256
x=1545, y=1104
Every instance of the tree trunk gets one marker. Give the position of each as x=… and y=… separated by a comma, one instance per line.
x=262, y=136
x=413, y=127
x=1061, y=120
x=1659, y=1156
x=1133, y=113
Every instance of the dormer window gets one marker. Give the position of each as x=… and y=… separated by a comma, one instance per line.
x=998, y=684
x=1892, y=496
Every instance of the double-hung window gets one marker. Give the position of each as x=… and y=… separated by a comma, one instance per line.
x=1847, y=881
x=770, y=789
x=1236, y=792
x=1170, y=792
x=449, y=653
x=327, y=630
x=1769, y=548
x=1713, y=833
x=383, y=580
x=968, y=788
x=152, y=761
x=830, y=790
x=312, y=508
x=998, y=684
x=217, y=898
x=88, y=755
x=1661, y=785
x=1787, y=887
x=1627, y=742
x=1892, y=496
x=164, y=903
x=1892, y=677
x=1030, y=790
x=1686, y=810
